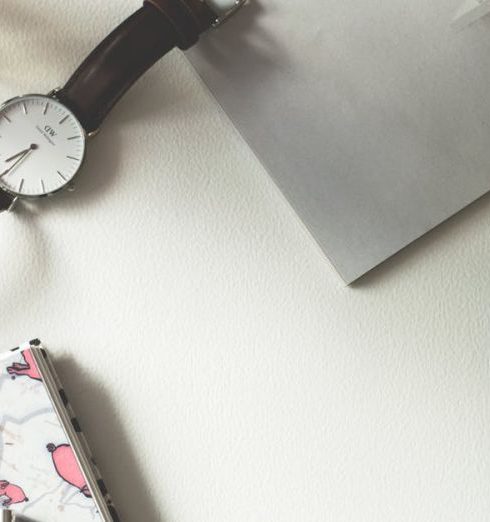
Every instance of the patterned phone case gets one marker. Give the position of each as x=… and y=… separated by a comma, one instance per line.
x=47, y=473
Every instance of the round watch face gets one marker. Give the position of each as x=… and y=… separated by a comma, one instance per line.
x=42, y=146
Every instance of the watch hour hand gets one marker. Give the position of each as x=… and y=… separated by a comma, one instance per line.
x=21, y=153
x=20, y=158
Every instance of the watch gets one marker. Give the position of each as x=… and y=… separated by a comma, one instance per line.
x=43, y=138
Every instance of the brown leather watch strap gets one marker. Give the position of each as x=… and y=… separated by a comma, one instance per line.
x=128, y=52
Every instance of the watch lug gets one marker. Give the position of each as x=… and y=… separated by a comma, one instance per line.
x=224, y=17
x=13, y=204
x=54, y=92
x=93, y=133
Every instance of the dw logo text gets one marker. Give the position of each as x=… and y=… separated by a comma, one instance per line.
x=50, y=131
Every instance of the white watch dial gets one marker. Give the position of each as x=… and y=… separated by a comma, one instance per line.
x=42, y=146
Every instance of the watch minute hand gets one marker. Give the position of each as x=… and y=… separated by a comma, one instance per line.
x=5, y=172
x=18, y=162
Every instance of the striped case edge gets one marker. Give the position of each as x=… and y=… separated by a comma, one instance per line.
x=71, y=425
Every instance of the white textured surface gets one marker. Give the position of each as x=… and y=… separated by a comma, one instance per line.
x=220, y=370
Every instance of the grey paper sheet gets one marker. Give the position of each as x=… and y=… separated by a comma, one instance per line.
x=373, y=117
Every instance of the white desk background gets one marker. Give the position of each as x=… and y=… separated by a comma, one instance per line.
x=220, y=369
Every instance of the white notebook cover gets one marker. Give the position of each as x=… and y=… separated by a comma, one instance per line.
x=372, y=117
